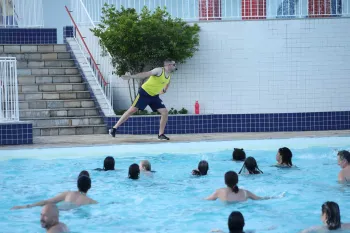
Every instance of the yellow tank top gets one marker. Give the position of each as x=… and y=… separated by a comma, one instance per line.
x=155, y=84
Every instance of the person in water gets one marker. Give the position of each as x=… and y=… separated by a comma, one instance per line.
x=77, y=198
x=84, y=173
x=49, y=220
x=284, y=157
x=238, y=155
x=145, y=166
x=330, y=217
x=343, y=162
x=232, y=193
x=134, y=171
x=202, y=170
x=250, y=165
x=108, y=164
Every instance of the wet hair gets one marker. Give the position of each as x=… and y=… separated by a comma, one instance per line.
x=231, y=180
x=108, y=163
x=332, y=212
x=134, y=171
x=251, y=165
x=147, y=165
x=344, y=154
x=84, y=184
x=84, y=173
x=238, y=154
x=286, y=156
x=236, y=222
x=203, y=167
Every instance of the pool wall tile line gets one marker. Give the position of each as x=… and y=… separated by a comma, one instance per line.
x=231, y=123
x=16, y=133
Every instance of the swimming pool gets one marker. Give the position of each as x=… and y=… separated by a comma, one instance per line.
x=172, y=200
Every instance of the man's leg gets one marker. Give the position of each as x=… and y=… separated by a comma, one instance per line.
x=123, y=118
x=163, y=120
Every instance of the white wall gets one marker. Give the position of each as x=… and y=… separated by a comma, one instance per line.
x=267, y=66
x=55, y=16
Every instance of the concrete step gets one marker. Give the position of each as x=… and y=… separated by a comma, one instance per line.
x=32, y=79
x=54, y=95
x=47, y=71
x=56, y=104
x=64, y=121
x=69, y=130
x=43, y=63
x=51, y=87
x=38, y=56
x=30, y=48
x=61, y=112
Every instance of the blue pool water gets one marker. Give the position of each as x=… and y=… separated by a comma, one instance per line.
x=172, y=200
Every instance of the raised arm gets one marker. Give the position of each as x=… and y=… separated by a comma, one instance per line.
x=156, y=72
x=55, y=200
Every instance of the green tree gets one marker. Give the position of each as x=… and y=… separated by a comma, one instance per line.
x=142, y=41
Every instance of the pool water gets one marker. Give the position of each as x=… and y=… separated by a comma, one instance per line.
x=172, y=200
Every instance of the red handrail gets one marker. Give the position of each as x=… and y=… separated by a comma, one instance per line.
x=82, y=38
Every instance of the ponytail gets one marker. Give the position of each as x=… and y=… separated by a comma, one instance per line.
x=235, y=189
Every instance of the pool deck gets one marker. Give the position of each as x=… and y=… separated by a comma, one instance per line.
x=105, y=139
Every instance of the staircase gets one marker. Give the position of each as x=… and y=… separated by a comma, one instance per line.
x=52, y=93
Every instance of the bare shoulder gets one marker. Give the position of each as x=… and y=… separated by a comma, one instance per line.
x=59, y=228
x=92, y=201
x=157, y=71
x=312, y=229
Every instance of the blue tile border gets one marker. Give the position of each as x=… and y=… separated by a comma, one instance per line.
x=232, y=123
x=16, y=133
x=28, y=36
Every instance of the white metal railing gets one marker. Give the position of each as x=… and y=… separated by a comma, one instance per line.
x=99, y=60
x=8, y=90
x=21, y=13
x=195, y=10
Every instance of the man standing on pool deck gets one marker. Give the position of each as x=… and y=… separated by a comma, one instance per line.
x=158, y=83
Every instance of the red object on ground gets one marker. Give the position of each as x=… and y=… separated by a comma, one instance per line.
x=210, y=10
x=196, y=108
x=253, y=9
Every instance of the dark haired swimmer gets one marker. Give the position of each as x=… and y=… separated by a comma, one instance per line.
x=331, y=219
x=77, y=198
x=344, y=163
x=232, y=193
x=250, y=165
x=108, y=164
x=84, y=173
x=202, y=170
x=238, y=154
x=134, y=171
x=284, y=158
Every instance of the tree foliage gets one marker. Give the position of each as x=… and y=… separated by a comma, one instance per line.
x=141, y=41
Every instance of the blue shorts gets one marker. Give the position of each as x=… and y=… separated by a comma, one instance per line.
x=143, y=99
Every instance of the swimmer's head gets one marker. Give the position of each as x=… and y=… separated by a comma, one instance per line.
x=203, y=167
x=84, y=184
x=238, y=154
x=108, y=163
x=343, y=158
x=84, y=173
x=134, y=171
x=331, y=215
x=231, y=180
x=284, y=156
x=145, y=165
x=251, y=165
x=49, y=216
x=236, y=222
